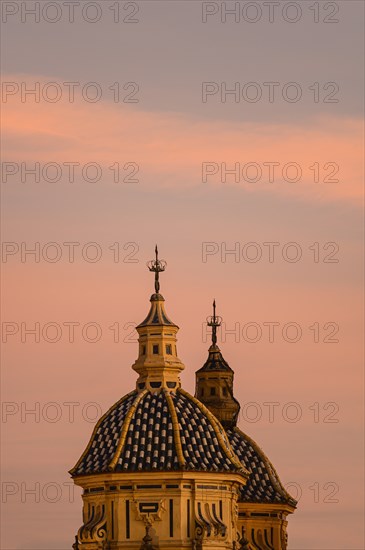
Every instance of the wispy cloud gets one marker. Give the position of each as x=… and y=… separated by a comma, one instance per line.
x=171, y=148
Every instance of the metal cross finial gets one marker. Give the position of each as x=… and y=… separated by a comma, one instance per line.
x=214, y=322
x=157, y=266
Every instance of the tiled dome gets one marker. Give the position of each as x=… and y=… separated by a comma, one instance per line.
x=263, y=484
x=161, y=431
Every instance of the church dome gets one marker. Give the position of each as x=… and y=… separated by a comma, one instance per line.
x=263, y=484
x=166, y=469
x=159, y=431
x=159, y=426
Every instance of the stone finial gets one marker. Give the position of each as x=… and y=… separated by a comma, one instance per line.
x=147, y=540
x=244, y=543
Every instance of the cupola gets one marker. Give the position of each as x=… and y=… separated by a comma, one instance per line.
x=157, y=364
x=214, y=381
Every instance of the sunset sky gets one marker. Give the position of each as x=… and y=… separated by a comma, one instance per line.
x=164, y=142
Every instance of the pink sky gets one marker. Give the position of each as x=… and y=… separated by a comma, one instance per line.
x=170, y=134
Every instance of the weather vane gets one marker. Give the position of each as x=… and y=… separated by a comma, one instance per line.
x=214, y=321
x=157, y=266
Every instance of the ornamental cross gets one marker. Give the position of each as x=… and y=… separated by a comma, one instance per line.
x=157, y=266
x=214, y=322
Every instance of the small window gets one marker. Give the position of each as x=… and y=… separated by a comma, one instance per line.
x=212, y=391
x=201, y=392
x=155, y=349
x=143, y=352
x=225, y=392
x=168, y=349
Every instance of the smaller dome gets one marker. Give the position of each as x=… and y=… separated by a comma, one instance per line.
x=263, y=484
x=215, y=361
x=157, y=314
x=157, y=432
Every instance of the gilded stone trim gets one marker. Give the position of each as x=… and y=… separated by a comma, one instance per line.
x=176, y=428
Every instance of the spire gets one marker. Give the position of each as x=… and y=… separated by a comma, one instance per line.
x=214, y=381
x=215, y=359
x=158, y=365
x=157, y=266
x=214, y=322
x=157, y=314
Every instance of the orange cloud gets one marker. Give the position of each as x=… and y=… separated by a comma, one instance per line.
x=172, y=148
